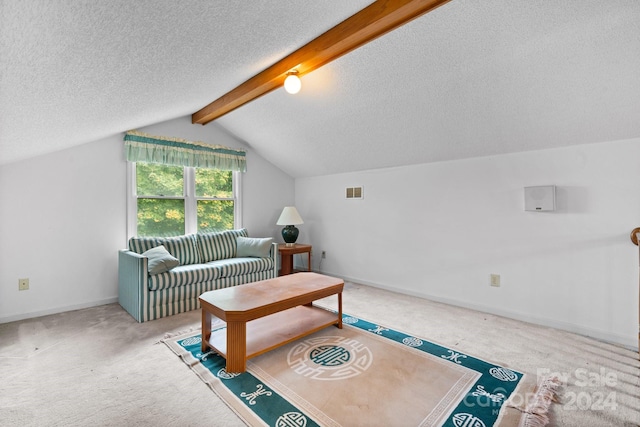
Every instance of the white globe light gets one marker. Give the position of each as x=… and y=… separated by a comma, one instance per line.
x=292, y=83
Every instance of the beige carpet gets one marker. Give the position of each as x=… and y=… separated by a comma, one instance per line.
x=98, y=367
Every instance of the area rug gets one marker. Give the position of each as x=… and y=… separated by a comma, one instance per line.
x=370, y=375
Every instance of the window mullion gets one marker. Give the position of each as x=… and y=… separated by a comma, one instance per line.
x=190, y=202
x=237, y=203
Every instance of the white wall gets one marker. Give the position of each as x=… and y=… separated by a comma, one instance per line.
x=433, y=230
x=438, y=231
x=266, y=189
x=63, y=219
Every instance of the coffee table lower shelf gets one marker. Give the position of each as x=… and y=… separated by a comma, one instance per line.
x=272, y=331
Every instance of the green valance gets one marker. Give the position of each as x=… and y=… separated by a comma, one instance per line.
x=140, y=147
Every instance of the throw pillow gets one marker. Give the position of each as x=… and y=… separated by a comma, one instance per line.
x=252, y=247
x=160, y=260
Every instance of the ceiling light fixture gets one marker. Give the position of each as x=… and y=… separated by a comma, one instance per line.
x=292, y=83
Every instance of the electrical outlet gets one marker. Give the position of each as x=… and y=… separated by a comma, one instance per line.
x=23, y=284
x=324, y=254
x=494, y=280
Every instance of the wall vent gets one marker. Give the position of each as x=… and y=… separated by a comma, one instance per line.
x=540, y=198
x=354, y=193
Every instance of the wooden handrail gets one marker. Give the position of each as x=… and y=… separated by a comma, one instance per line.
x=634, y=235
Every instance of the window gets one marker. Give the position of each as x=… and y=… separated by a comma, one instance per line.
x=214, y=199
x=173, y=200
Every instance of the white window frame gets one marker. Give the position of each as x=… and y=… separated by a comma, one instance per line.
x=190, y=200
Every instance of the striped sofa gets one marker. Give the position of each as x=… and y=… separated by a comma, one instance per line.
x=207, y=261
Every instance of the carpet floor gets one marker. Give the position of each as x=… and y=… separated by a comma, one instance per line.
x=99, y=367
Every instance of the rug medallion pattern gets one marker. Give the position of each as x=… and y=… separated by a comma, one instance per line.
x=331, y=358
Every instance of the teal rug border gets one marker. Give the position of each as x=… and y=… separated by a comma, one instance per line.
x=481, y=406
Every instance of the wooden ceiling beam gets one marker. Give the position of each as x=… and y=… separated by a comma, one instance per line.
x=371, y=22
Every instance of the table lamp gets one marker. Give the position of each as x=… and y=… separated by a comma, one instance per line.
x=290, y=218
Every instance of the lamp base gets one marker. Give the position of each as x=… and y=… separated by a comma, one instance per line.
x=290, y=234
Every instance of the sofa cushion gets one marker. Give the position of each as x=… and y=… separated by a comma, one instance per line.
x=184, y=275
x=182, y=247
x=197, y=273
x=160, y=260
x=239, y=266
x=252, y=247
x=218, y=245
x=140, y=245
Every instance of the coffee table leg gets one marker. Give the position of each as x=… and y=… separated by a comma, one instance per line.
x=206, y=330
x=236, y=346
x=339, y=325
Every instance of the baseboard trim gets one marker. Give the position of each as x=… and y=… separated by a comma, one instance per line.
x=612, y=338
x=617, y=339
x=40, y=313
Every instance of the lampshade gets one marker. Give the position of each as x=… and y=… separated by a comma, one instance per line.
x=292, y=83
x=290, y=216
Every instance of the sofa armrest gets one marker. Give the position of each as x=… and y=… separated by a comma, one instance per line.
x=133, y=288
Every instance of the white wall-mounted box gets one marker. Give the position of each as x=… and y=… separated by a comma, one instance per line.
x=540, y=198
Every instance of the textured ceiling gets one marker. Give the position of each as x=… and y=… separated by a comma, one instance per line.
x=468, y=79
x=72, y=72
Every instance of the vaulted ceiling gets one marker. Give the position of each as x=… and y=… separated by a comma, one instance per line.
x=467, y=79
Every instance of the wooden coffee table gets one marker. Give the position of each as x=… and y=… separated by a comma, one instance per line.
x=263, y=315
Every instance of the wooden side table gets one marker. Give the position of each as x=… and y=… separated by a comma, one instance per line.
x=286, y=256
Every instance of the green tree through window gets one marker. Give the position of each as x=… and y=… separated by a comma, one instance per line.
x=162, y=207
x=214, y=194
